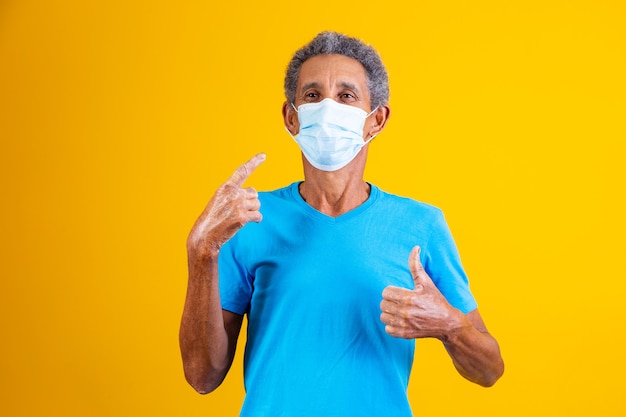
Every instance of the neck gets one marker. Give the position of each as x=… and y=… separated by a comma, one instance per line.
x=334, y=193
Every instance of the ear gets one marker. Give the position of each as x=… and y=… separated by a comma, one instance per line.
x=378, y=121
x=290, y=117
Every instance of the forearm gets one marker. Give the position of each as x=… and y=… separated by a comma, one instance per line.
x=475, y=353
x=208, y=334
x=203, y=338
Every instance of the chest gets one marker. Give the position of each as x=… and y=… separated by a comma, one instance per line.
x=333, y=267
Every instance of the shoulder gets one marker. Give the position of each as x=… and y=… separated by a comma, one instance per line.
x=409, y=205
x=283, y=193
x=278, y=198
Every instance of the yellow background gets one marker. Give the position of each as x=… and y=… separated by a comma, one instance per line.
x=119, y=119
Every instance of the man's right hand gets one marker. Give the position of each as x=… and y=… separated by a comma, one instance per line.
x=230, y=208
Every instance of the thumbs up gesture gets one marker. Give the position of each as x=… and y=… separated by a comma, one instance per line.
x=418, y=313
x=230, y=208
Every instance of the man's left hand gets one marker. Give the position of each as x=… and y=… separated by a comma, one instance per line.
x=421, y=312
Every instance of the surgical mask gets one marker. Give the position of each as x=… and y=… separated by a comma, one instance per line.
x=331, y=134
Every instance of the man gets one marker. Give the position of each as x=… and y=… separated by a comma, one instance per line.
x=310, y=273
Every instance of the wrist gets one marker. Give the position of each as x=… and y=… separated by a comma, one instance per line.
x=204, y=249
x=458, y=323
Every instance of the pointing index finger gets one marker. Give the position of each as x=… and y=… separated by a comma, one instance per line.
x=244, y=171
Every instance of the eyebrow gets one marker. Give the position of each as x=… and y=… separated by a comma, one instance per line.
x=343, y=84
x=313, y=84
x=349, y=86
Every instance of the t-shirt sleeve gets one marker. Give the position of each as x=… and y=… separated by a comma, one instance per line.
x=442, y=262
x=234, y=280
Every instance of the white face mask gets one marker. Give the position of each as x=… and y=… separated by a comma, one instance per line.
x=331, y=133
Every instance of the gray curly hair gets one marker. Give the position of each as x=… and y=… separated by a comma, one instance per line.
x=337, y=43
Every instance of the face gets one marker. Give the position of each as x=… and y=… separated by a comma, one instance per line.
x=339, y=78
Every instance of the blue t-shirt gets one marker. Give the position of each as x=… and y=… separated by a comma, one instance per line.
x=311, y=286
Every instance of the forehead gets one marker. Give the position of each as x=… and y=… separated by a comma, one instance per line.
x=332, y=70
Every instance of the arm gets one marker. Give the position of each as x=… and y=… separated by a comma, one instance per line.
x=424, y=312
x=208, y=334
x=474, y=352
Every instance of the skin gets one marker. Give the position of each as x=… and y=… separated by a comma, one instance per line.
x=208, y=334
x=424, y=312
x=343, y=79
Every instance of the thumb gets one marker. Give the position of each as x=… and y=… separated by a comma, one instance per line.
x=417, y=270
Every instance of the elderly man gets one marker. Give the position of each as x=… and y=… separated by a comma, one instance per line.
x=337, y=278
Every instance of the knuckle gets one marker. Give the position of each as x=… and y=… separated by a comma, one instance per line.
x=252, y=192
x=406, y=313
x=408, y=298
x=228, y=190
x=242, y=216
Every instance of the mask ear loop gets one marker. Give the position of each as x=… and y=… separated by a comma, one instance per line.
x=368, y=115
x=287, y=129
x=292, y=136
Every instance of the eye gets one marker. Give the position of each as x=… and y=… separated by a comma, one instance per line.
x=311, y=96
x=347, y=97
